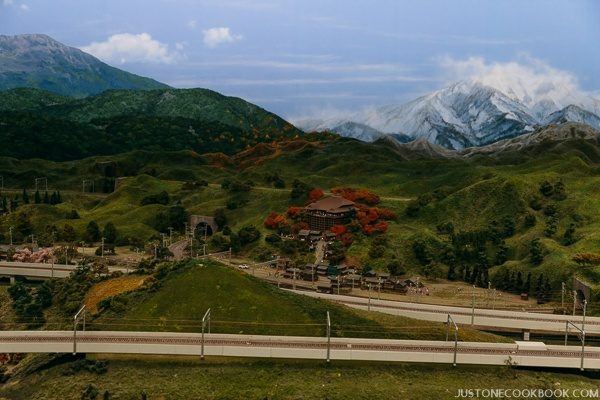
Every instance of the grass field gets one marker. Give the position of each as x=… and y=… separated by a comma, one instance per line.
x=240, y=303
x=187, y=378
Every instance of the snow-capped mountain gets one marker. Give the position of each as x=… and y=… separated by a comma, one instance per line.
x=467, y=114
x=573, y=113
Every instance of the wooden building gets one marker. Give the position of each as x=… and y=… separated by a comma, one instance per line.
x=333, y=210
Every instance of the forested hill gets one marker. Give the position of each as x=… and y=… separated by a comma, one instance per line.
x=39, y=124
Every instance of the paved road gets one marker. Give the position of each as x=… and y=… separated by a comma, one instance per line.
x=520, y=353
x=178, y=249
x=482, y=317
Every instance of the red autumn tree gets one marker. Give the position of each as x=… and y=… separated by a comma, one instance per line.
x=347, y=239
x=315, y=194
x=385, y=214
x=275, y=221
x=299, y=226
x=338, y=229
x=357, y=195
x=294, y=212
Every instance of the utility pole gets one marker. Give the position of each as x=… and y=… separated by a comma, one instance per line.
x=473, y=308
x=574, y=301
x=205, y=320
x=170, y=235
x=583, y=319
x=328, y=338
x=562, y=297
x=32, y=241
x=10, y=229
x=489, y=292
x=102, y=247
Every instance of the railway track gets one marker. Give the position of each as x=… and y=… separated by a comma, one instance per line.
x=138, y=338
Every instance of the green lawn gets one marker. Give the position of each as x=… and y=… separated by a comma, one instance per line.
x=217, y=378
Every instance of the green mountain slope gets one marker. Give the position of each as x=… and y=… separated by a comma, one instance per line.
x=38, y=61
x=42, y=125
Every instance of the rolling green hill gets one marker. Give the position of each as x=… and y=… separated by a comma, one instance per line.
x=39, y=124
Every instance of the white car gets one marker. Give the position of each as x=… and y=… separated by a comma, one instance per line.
x=243, y=266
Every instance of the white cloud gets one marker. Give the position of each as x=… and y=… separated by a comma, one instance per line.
x=216, y=36
x=24, y=7
x=7, y=2
x=128, y=47
x=192, y=24
x=528, y=81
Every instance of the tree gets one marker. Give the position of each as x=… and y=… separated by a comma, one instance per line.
x=395, y=267
x=92, y=232
x=46, y=198
x=376, y=251
x=569, y=235
x=421, y=252
x=37, y=199
x=220, y=217
x=68, y=233
x=536, y=254
x=338, y=253
x=110, y=233
x=546, y=189
x=502, y=254
x=529, y=220
x=551, y=226
x=25, y=197
x=248, y=234
x=527, y=285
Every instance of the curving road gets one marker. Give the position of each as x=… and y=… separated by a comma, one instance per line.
x=519, y=353
x=485, y=318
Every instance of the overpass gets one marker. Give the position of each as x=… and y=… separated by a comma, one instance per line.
x=531, y=354
x=482, y=318
x=41, y=270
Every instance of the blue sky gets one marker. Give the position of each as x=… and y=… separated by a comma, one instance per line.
x=303, y=57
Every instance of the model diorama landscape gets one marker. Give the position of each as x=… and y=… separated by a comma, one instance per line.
x=129, y=207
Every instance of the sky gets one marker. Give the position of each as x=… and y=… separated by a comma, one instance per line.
x=308, y=57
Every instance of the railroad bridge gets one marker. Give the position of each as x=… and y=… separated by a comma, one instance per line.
x=583, y=290
x=201, y=222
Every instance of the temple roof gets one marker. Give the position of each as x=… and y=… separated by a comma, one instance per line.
x=331, y=204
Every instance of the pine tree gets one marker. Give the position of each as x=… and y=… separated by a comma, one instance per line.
x=46, y=198
x=519, y=282
x=58, y=197
x=527, y=284
x=502, y=254
x=37, y=199
x=25, y=197
x=535, y=252
x=539, y=288
x=569, y=236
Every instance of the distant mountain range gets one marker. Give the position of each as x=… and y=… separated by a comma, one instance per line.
x=38, y=61
x=464, y=114
x=552, y=138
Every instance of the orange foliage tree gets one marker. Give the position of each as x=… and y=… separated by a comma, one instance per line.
x=315, y=194
x=338, y=229
x=275, y=221
x=357, y=195
x=294, y=212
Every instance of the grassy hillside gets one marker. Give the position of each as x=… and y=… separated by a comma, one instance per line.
x=165, y=378
x=240, y=303
x=475, y=196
